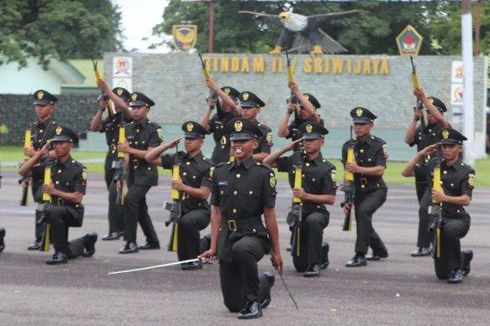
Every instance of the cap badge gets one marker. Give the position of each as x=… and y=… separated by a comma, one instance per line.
x=58, y=131
x=119, y=91
x=227, y=90
x=445, y=134
x=431, y=100
x=309, y=128
x=306, y=96
x=189, y=127
x=359, y=112
x=40, y=95
x=134, y=97
x=245, y=96
x=238, y=126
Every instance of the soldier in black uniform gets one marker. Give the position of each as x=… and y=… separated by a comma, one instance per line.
x=65, y=209
x=110, y=126
x=142, y=136
x=243, y=190
x=457, y=181
x=318, y=189
x=42, y=130
x=251, y=105
x=194, y=188
x=304, y=106
x=225, y=111
x=369, y=187
x=423, y=136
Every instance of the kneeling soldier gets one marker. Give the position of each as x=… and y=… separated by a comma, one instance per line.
x=66, y=191
x=453, y=183
x=312, y=189
x=193, y=186
x=243, y=190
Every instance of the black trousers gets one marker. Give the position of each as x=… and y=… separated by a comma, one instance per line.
x=136, y=210
x=423, y=235
x=115, y=213
x=365, y=206
x=240, y=279
x=61, y=218
x=310, y=241
x=453, y=230
x=188, y=235
x=37, y=196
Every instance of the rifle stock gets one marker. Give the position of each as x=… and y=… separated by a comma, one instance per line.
x=174, y=208
x=348, y=189
x=296, y=213
x=436, y=208
x=25, y=181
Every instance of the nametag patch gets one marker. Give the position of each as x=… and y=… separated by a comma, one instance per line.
x=222, y=183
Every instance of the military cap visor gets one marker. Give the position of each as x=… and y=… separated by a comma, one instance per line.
x=193, y=129
x=451, y=136
x=312, y=130
x=362, y=115
x=250, y=100
x=361, y=121
x=42, y=97
x=230, y=91
x=64, y=134
x=242, y=129
x=437, y=103
x=140, y=99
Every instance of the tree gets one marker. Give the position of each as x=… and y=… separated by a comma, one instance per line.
x=373, y=32
x=60, y=29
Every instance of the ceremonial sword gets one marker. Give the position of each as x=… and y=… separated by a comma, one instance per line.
x=287, y=289
x=154, y=266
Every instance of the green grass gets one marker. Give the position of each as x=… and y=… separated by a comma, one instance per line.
x=392, y=174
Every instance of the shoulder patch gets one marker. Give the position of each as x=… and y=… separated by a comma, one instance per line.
x=385, y=151
x=471, y=180
x=84, y=174
x=272, y=180
x=333, y=175
x=160, y=133
x=268, y=138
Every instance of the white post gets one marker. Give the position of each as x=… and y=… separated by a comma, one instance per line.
x=468, y=94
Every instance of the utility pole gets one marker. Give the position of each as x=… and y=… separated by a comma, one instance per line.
x=468, y=94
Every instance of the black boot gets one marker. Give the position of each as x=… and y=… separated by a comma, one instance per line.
x=357, y=261
x=111, y=236
x=325, y=261
x=251, y=310
x=129, y=248
x=456, y=276
x=467, y=257
x=89, y=247
x=58, y=258
x=2, y=236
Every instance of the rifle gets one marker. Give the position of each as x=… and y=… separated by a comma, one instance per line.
x=348, y=189
x=98, y=76
x=420, y=103
x=24, y=181
x=207, y=76
x=295, y=215
x=121, y=168
x=174, y=207
x=436, y=207
x=46, y=235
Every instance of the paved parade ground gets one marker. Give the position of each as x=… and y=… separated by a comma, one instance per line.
x=400, y=290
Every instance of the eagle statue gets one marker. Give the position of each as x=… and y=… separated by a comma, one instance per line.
x=311, y=37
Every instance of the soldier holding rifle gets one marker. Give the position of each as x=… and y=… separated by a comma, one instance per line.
x=243, y=190
x=423, y=135
x=453, y=183
x=370, y=189
x=65, y=181
x=312, y=179
x=193, y=185
x=117, y=116
x=42, y=131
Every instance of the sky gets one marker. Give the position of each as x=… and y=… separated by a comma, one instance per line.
x=137, y=20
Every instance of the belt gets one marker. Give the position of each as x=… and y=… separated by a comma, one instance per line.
x=62, y=202
x=236, y=225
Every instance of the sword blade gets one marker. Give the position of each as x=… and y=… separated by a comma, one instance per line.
x=153, y=267
x=288, y=290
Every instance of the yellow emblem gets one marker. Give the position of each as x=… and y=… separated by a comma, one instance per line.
x=445, y=134
x=40, y=95
x=272, y=180
x=84, y=175
x=211, y=170
x=268, y=138
x=471, y=180
x=359, y=112
x=160, y=133
x=245, y=96
x=223, y=140
x=309, y=128
x=238, y=126
x=333, y=175
x=119, y=91
x=227, y=90
x=306, y=96
x=58, y=131
x=385, y=150
x=189, y=126
x=134, y=97
x=431, y=100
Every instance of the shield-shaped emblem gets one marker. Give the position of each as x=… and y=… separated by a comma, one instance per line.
x=445, y=134
x=190, y=126
x=40, y=95
x=359, y=112
x=238, y=126
x=409, y=41
x=185, y=36
x=309, y=128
